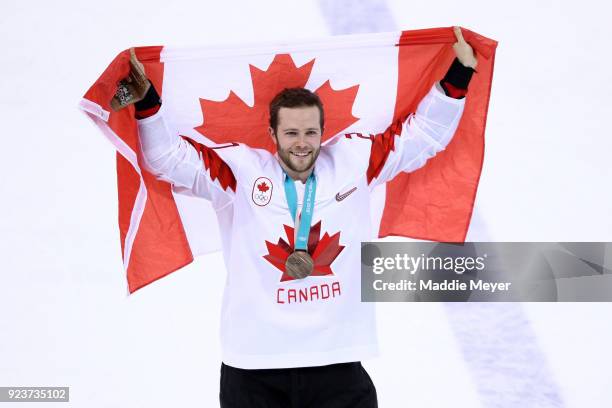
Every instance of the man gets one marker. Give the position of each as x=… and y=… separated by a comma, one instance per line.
x=293, y=328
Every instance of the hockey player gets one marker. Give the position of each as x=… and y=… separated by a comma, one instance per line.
x=293, y=328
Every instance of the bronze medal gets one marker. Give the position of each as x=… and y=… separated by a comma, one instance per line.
x=299, y=264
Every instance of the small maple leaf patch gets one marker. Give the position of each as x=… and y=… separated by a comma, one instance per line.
x=262, y=191
x=263, y=187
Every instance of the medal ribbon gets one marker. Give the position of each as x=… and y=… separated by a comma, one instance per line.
x=301, y=241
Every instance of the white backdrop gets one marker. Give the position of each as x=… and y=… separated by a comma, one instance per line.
x=65, y=320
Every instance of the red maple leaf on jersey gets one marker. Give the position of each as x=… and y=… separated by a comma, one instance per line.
x=234, y=120
x=263, y=187
x=323, y=251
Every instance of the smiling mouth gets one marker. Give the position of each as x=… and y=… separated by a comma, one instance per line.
x=300, y=154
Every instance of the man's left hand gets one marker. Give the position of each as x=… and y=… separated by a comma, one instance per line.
x=463, y=50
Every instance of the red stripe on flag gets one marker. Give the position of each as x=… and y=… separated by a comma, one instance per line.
x=153, y=237
x=436, y=202
x=482, y=45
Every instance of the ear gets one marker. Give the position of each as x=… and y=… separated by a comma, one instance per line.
x=272, y=135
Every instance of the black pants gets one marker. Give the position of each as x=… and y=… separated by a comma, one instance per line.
x=330, y=386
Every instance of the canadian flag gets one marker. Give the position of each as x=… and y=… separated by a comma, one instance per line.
x=221, y=95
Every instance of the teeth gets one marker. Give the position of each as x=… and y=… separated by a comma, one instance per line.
x=300, y=154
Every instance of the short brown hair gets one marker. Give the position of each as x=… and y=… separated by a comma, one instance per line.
x=294, y=98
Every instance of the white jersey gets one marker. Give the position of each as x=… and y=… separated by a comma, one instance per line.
x=270, y=320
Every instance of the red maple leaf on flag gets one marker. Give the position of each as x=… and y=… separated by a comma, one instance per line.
x=233, y=120
x=323, y=251
x=263, y=187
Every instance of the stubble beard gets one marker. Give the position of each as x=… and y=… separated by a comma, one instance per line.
x=286, y=157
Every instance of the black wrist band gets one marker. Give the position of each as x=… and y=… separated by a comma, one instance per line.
x=150, y=100
x=459, y=75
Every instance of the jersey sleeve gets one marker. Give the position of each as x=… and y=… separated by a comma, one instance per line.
x=408, y=144
x=193, y=168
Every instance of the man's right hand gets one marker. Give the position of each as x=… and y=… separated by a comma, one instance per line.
x=133, y=88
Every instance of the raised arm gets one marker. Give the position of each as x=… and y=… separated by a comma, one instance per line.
x=190, y=166
x=408, y=144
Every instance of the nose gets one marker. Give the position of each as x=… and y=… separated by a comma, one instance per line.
x=301, y=141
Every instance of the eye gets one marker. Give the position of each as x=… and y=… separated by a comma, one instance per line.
x=291, y=133
x=312, y=133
